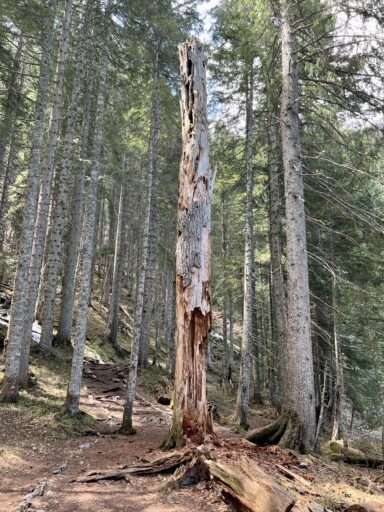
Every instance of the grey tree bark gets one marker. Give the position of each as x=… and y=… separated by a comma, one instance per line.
x=72, y=401
x=55, y=235
x=119, y=260
x=278, y=292
x=76, y=212
x=245, y=363
x=299, y=401
x=10, y=389
x=151, y=255
x=41, y=223
x=10, y=106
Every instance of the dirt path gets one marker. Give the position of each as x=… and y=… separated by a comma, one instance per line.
x=61, y=463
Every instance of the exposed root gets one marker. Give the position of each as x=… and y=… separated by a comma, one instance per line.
x=287, y=431
x=162, y=465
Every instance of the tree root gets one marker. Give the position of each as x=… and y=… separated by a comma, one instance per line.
x=287, y=431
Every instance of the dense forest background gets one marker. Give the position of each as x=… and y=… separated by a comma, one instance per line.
x=90, y=144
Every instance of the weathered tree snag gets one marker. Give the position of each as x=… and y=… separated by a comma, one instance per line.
x=248, y=484
x=193, y=253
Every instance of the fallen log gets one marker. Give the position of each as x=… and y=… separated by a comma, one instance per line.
x=161, y=465
x=293, y=476
x=246, y=483
x=369, y=462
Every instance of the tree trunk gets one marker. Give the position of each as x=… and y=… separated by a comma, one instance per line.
x=44, y=198
x=193, y=253
x=299, y=399
x=59, y=214
x=278, y=297
x=76, y=213
x=151, y=256
x=10, y=388
x=147, y=238
x=224, y=254
x=88, y=232
x=7, y=127
x=119, y=259
x=246, y=346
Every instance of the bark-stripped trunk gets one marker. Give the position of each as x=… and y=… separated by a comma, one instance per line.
x=119, y=259
x=44, y=198
x=70, y=266
x=278, y=298
x=246, y=346
x=88, y=232
x=300, y=396
x=193, y=253
x=59, y=214
x=151, y=256
x=10, y=388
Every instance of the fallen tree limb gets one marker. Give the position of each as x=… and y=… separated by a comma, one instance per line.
x=369, y=462
x=292, y=476
x=161, y=465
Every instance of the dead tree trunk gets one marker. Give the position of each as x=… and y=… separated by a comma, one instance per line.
x=193, y=253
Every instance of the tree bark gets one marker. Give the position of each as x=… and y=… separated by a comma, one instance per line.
x=76, y=213
x=10, y=389
x=300, y=395
x=151, y=256
x=44, y=198
x=278, y=293
x=59, y=214
x=246, y=346
x=193, y=253
x=7, y=127
x=72, y=401
x=119, y=259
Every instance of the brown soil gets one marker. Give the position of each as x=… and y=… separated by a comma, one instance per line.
x=32, y=452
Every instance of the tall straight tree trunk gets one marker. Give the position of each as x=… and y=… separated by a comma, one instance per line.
x=76, y=207
x=224, y=255
x=55, y=233
x=10, y=106
x=337, y=405
x=278, y=297
x=119, y=259
x=72, y=401
x=10, y=389
x=245, y=363
x=127, y=426
x=44, y=198
x=299, y=401
x=193, y=253
x=151, y=256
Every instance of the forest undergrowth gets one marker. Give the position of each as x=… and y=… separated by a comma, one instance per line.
x=46, y=452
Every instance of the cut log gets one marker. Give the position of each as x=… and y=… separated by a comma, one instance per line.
x=369, y=462
x=246, y=483
x=162, y=465
x=292, y=476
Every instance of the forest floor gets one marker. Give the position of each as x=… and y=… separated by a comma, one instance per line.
x=39, y=447
x=44, y=452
